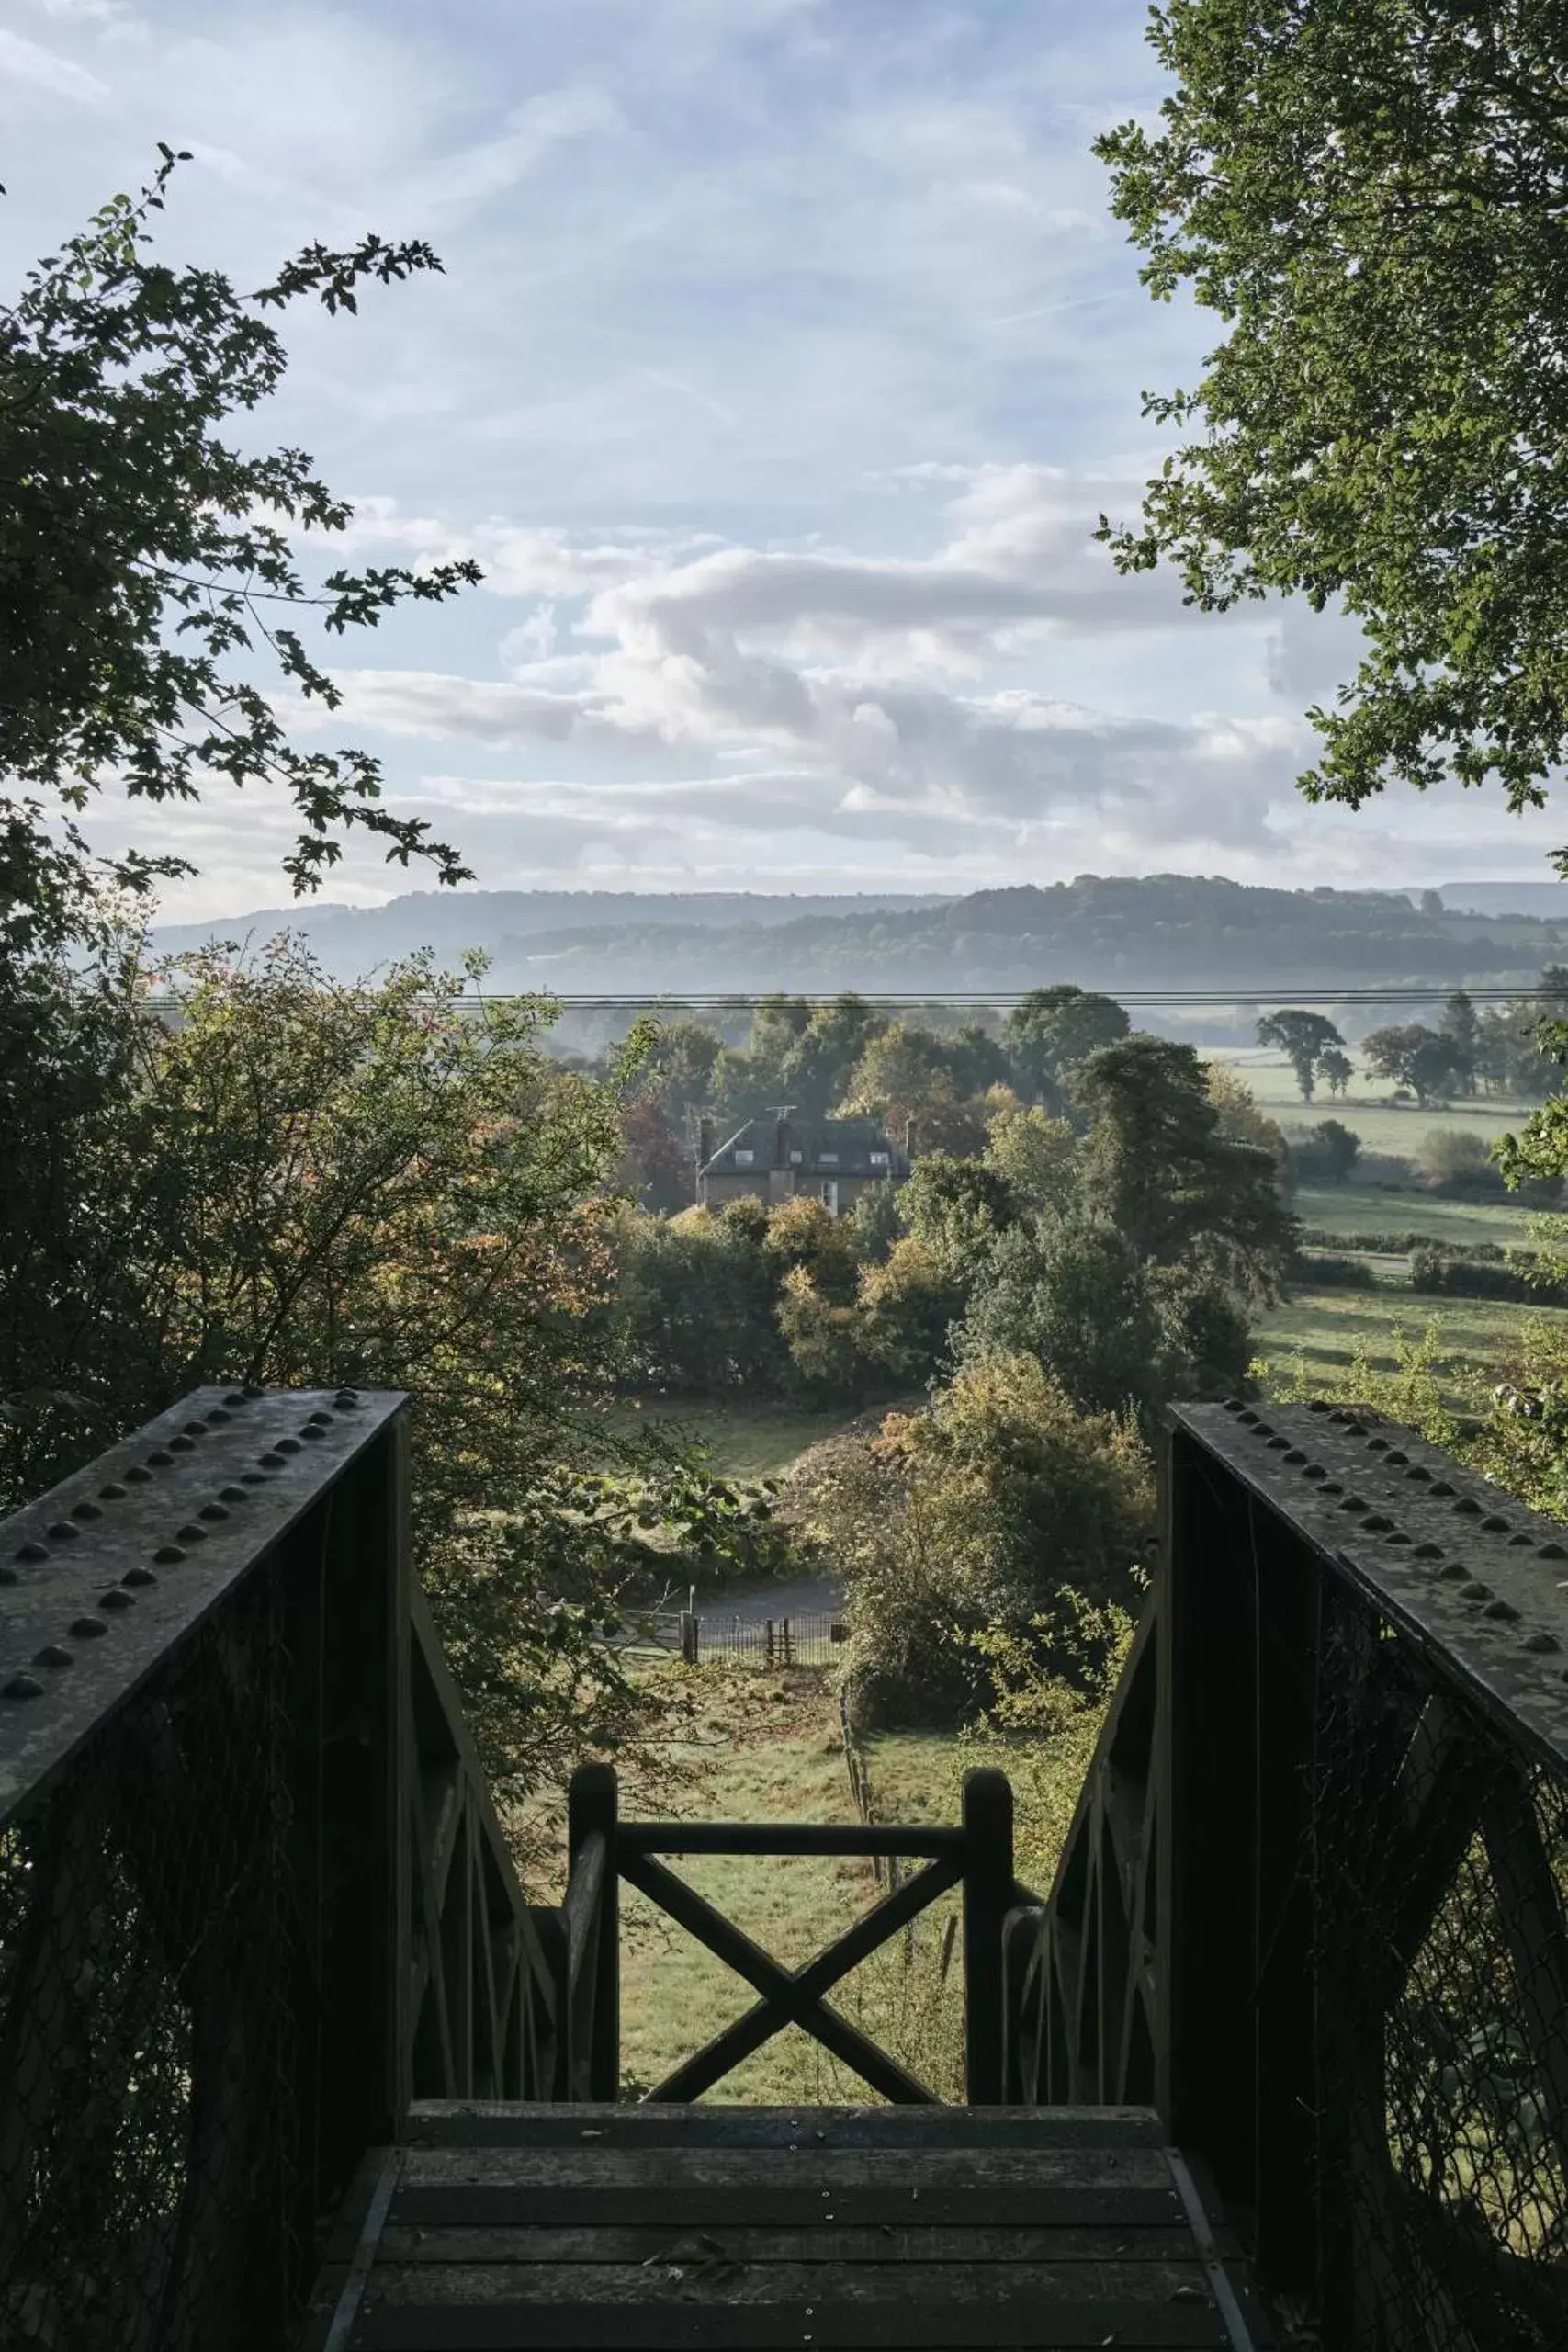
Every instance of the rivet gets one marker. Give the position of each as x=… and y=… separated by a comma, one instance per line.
x=1553, y=1552
x=115, y=1598
x=86, y=1511
x=1465, y=1506
x=87, y=1629
x=1277, y=1445
x=1377, y=1445
x=252, y=1388
x=233, y=1494
x=191, y=1533
x=160, y=1458
x=63, y=1531
x=1429, y=1550
x=1475, y=1590
x=1542, y=1642
x=137, y=1476
x=32, y=1551
x=321, y=1421
x=270, y=1461
x=51, y=1654
x=24, y=1686
x=252, y=1479
x=1396, y=1457
x=1495, y=1525
x=308, y=1431
x=349, y=1398
x=1354, y=1502
x=1375, y=1523
x=182, y=1445
x=195, y=1428
x=1398, y=1537
x=1333, y=1486
x=1456, y=1573
x=287, y=1445
x=138, y=1577
x=1315, y=1470
x=235, y=1396
x=112, y=1493
x=1514, y=1540
x=1420, y=1472
x=1295, y=1458
x=214, y=1511
x=1503, y=1610
x=1263, y=1429
x=217, y=1417
x=167, y=1554
x=1233, y=1404
x=1247, y=1414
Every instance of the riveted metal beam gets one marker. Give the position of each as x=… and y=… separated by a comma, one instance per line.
x=1471, y=1576
x=105, y=1574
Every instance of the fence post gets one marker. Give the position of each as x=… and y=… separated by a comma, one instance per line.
x=768, y=1653
x=987, y=1898
x=785, y=1658
x=592, y=1804
x=688, y=1637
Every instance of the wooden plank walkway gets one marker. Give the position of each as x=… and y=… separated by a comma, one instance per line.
x=553, y=2229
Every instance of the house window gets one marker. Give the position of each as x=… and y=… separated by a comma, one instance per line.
x=796, y=1158
x=744, y=1158
x=880, y=1159
x=829, y=1159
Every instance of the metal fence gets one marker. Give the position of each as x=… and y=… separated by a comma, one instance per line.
x=1314, y=1900
x=767, y=1642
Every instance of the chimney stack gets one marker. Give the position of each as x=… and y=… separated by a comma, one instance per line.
x=909, y=1139
x=781, y=1152
x=705, y=1141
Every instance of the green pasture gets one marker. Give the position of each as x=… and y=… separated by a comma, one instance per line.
x=1382, y=1125
x=1319, y=1333
x=745, y=1440
x=1373, y=1208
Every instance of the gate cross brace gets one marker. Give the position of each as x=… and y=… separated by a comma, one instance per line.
x=791, y=1997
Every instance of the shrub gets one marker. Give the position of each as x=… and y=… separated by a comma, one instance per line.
x=1459, y=1161
x=1331, y=1271
x=1325, y=1154
x=979, y=1513
x=1435, y=1274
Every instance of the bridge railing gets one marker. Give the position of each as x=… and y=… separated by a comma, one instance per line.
x=1312, y=1902
x=253, y=1893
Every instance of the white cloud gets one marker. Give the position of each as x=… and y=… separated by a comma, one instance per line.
x=29, y=63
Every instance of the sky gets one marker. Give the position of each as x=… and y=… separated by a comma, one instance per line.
x=785, y=356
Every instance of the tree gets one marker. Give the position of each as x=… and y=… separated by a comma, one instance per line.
x=1157, y=1166
x=147, y=568
x=1461, y=1028
x=1335, y=1069
x=1304, y=1038
x=1370, y=194
x=1413, y=1056
x=1327, y=1153
x=1052, y=1031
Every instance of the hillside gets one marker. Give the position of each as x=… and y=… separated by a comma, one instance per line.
x=1160, y=932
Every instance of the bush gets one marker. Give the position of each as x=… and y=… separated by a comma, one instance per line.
x=1332, y=1271
x=1325, y=1154
x=1459, y=1163
x=1436, y=1274
x=1394, y=1245
x=979, y=1513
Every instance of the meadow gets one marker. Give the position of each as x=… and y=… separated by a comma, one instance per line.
x=1383, y=1125
x=1315, y=1337
x=1376, y=1208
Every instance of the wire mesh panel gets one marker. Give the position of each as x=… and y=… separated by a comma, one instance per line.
x=154, y=2009
x=1440, y=1853
x=200, y=1663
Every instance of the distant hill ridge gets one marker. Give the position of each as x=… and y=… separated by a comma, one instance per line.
x=1157, y=931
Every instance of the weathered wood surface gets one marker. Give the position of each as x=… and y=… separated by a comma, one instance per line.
x=881, y=2229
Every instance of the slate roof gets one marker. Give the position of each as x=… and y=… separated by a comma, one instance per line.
x=811, y=1146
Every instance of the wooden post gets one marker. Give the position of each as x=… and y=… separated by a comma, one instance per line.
x=768, y=1652
x=987, y=1898
x=592, y=1804
x=688, y=1637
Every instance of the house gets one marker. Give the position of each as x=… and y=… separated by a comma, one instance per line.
x=782, y=1158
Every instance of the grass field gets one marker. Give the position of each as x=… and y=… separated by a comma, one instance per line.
x=1372, y=1208
x=1384, y=1127
x=765, y=1747
x=746, y=1441
x=1319, y=1332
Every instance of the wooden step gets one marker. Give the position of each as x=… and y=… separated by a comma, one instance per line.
x=554, y=2229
